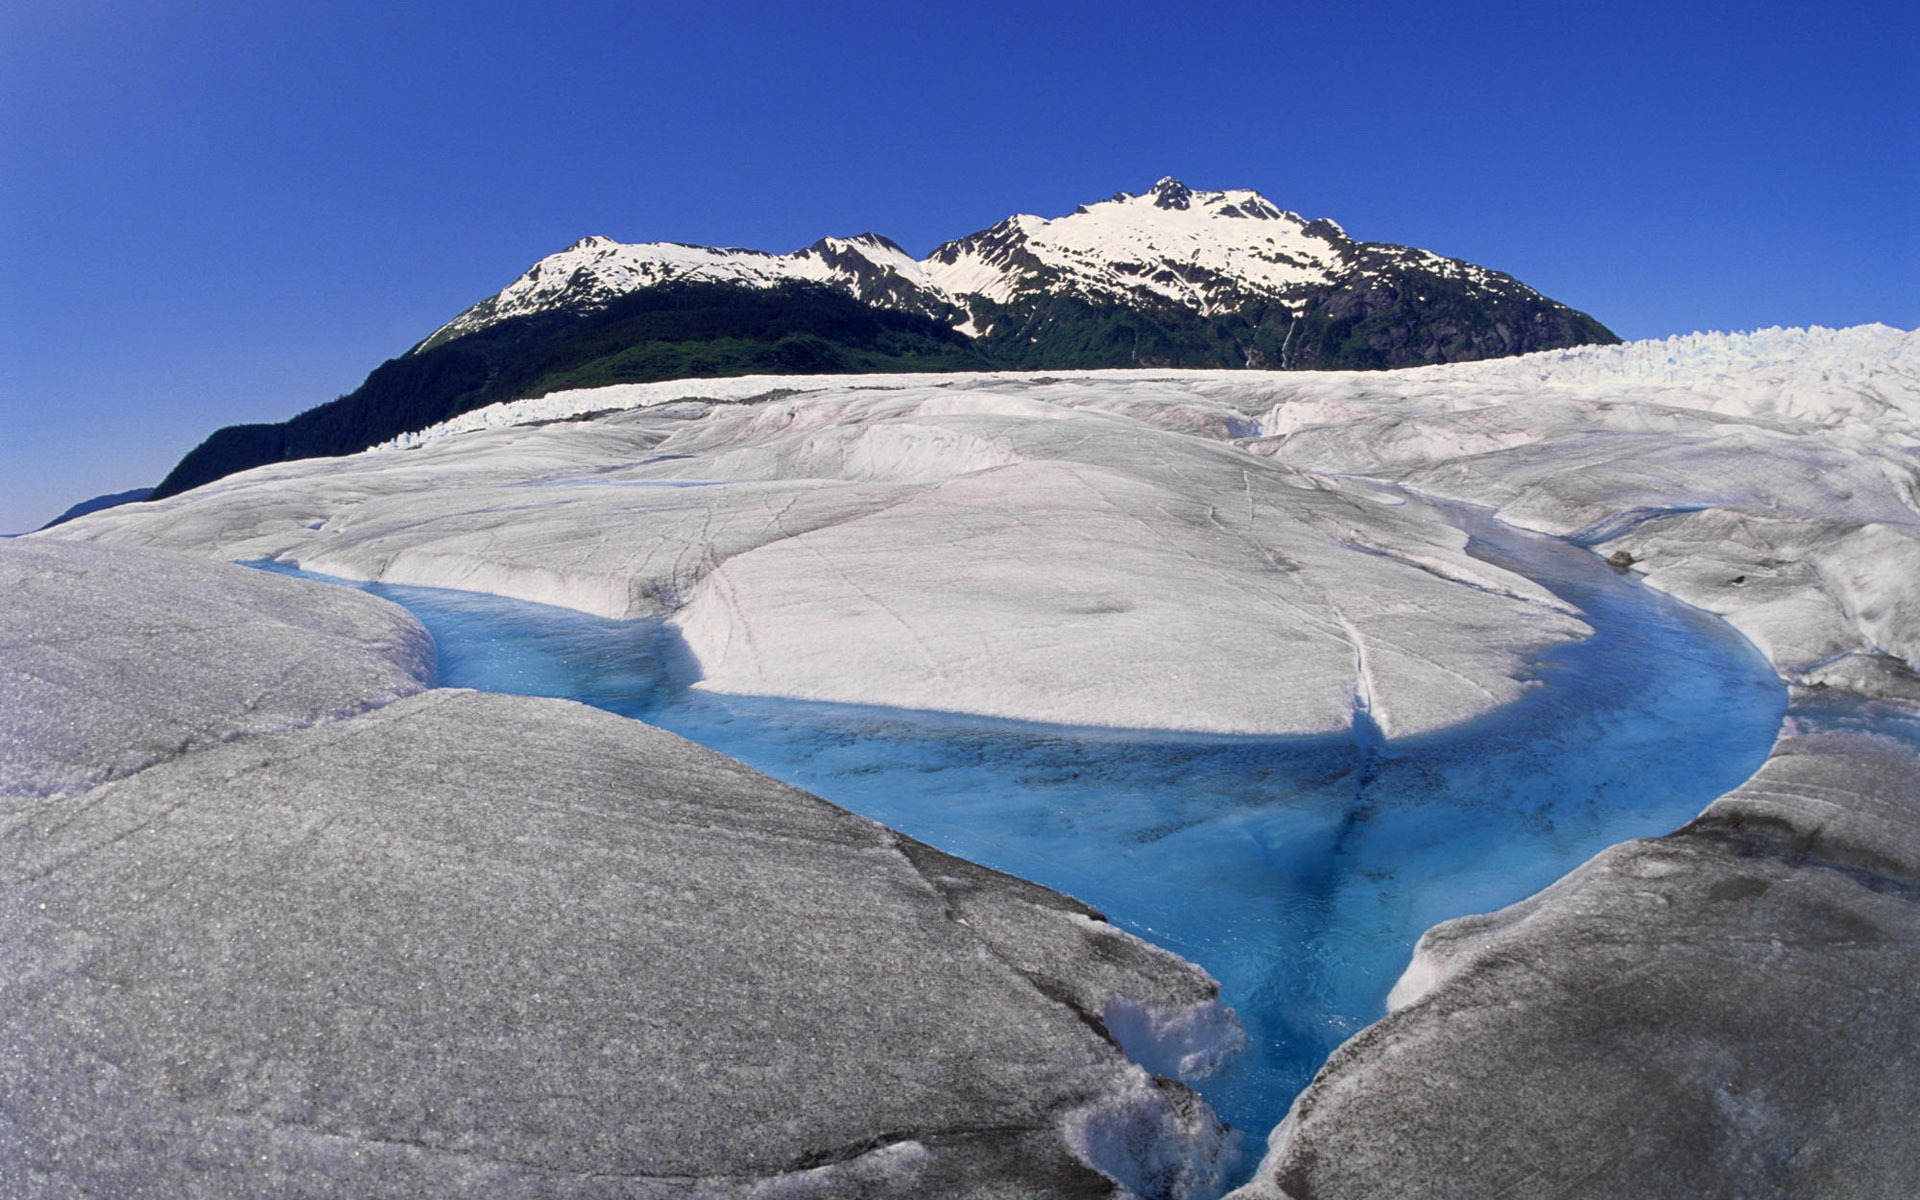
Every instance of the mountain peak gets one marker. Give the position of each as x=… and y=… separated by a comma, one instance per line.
x=879, y=240
x=1171, y=193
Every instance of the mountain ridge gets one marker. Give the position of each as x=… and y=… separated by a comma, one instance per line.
x=1170, y=277
x=1205, y=253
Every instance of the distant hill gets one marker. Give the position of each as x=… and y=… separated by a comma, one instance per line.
x=99, y=502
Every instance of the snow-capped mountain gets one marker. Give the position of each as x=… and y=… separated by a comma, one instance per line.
x=1170, y=278
x=1185, y=257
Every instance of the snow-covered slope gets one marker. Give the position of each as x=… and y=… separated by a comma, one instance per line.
x=1204, y=251
x=595, y=270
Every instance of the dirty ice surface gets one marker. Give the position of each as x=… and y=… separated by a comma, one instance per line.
x=1300, y=871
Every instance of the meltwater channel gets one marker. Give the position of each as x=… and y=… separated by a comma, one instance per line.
x=1299, y=871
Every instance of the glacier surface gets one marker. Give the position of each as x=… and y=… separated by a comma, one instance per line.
x=1298, y=871
x=1235, y=552
x=1729, y=1010
x=1076, y=552
x=320, y=933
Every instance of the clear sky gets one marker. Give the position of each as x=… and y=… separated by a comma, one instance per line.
x=232, y=210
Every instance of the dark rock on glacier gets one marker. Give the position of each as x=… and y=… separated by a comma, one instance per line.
x=1171, y=193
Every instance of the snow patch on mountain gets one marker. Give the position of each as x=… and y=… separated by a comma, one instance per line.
x=1203, y=251
x=596, y=270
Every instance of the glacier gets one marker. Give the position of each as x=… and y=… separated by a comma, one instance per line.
x=1254, y=554
x=1297, y=871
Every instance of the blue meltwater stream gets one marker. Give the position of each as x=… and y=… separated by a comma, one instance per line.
x=1299, y=871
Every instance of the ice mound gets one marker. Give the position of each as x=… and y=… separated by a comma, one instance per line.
x=118, y=660
x=1079, y=551
x=1723, y=1011
x=1298, y=871
x=1772, y=478
x=340, y=943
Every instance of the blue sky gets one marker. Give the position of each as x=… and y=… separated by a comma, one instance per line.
x=226, y=211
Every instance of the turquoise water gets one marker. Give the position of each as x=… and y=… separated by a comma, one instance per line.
x=1298, y=871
